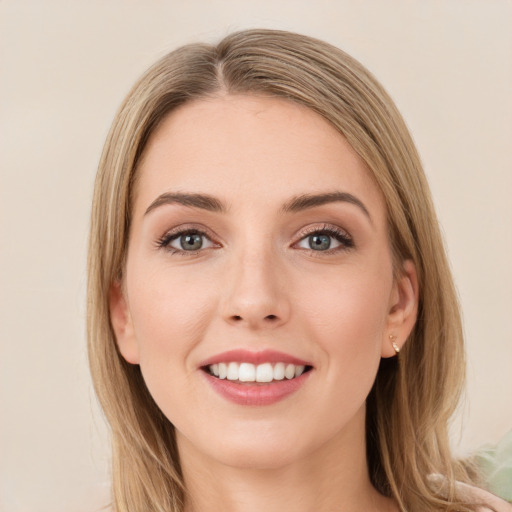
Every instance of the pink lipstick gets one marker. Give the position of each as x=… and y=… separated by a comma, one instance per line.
x=255, y=378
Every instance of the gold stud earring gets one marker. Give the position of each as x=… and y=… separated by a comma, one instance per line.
x=392, y=338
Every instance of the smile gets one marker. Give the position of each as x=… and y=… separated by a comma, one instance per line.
x=248, y=372
x=255, y=378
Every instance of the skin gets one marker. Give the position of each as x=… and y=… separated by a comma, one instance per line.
x=256, y=284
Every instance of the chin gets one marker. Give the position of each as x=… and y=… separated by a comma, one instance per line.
x=267, y=447
x=259, y=457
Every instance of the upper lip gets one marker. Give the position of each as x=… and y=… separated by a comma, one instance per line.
x=254, y=357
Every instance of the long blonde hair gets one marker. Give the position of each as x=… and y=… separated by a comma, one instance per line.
x=412, y=399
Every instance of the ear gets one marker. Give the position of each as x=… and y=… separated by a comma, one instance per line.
x=122, y=324
x=403, y=309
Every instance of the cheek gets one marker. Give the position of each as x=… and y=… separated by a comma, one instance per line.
x=347, y=315
x=170, y=313
x=352, y=298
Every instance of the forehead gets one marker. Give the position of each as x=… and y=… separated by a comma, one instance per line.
x=240, y=147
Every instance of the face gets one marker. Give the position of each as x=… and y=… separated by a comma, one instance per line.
x=258, y=295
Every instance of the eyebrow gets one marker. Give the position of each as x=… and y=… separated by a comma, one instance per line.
x=202, y=201
x=306, y=201
x=295, y=204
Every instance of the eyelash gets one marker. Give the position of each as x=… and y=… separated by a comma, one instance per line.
x=338, y=234
x=165, y=241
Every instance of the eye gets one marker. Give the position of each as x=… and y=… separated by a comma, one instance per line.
x=326, y=239
x=185, y=241
x=189, y=242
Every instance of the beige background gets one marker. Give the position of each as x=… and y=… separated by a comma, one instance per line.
x=64, y=67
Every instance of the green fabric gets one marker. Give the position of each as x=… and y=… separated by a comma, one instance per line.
x=495, y=462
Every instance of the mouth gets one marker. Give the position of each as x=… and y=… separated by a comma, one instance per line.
x=256, y=378
x=263, y=373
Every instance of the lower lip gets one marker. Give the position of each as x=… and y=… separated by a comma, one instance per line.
x=249, y=393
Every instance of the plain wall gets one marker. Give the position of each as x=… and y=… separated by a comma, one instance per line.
x=64, y=68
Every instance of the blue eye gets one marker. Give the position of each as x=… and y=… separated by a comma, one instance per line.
x=325, y=240
x=185, y=241
x=188, y=242
x=319, y=242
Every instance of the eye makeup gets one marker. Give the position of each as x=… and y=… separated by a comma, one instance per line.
x=192, y=239
x=189, y=240
x=319, y=240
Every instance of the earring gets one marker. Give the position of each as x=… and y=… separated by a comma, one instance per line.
x=392, y=338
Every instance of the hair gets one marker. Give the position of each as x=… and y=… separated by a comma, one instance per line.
x=413, y=398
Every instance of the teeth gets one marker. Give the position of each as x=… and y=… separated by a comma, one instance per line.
x=247, y=372
x=299, y=370
x=232, y=371
x=264, y=373
x=279, y=371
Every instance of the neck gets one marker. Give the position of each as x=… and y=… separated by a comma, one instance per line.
x=334, y=477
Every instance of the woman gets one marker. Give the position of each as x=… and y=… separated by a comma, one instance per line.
x=272, y=320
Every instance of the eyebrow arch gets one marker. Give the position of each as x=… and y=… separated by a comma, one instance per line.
x=306, y=201
x=296, y=204
x=202, y=201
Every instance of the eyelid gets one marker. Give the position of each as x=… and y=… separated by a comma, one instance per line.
x=172, y=234
x=344, y=238
x=177, y=238
x=323, y=227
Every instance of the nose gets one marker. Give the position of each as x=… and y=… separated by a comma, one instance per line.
x=256, y=293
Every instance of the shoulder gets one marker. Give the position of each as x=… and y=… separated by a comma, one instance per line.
x=486, y=501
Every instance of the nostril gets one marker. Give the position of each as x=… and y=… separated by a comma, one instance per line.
x=239, y=318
